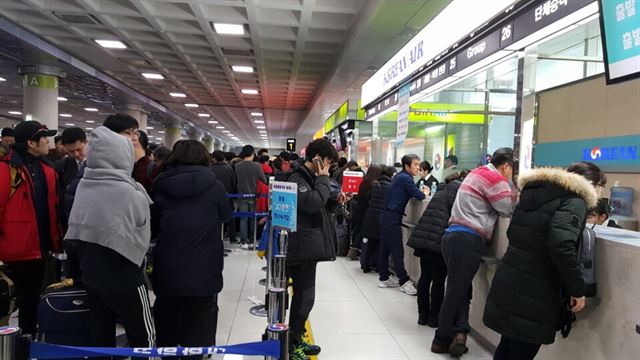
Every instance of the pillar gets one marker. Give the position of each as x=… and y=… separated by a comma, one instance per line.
x=226, y=147
x=207, y=140
x=40, y=93
x=218, y=144
x=172, y=135
x=194, y=134
x=137, y=113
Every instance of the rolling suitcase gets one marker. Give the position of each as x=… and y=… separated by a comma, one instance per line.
x=63, y=317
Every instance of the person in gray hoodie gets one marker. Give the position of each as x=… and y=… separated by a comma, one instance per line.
x=109, y=225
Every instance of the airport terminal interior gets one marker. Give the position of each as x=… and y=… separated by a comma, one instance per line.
x=320, y=179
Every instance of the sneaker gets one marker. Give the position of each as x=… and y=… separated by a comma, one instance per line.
x=297, y=353
x=245, y=246
x=389, y=283
x=458, y=345
x=309, y=349
x=409, y=289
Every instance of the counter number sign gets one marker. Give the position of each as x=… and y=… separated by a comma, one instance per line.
x=351, y=181
x=284, y=205
x=291, y=144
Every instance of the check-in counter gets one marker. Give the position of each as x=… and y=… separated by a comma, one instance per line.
x=609, y=328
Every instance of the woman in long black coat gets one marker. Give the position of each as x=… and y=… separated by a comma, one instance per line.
x=541, y=266
x=189, y=208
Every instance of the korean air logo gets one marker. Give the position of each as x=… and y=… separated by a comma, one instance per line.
x=596, y=153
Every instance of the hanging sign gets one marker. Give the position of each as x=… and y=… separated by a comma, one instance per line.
x=403, y=112
x=620, y=24
x=351, y=181
x=291, y=144
x=284, y=204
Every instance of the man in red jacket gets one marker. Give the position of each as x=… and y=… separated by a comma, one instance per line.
x=29, y=224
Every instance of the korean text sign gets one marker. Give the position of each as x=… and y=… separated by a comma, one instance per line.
x=351, y=181
x=284, y=205
x=620, y=21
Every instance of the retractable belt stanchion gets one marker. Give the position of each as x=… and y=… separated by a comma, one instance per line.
x=10, y=342
x=279, y=332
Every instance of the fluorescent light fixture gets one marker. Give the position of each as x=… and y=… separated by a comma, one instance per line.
x=91, y=109
x=89, y=128
x=149, y=127
x=15, y=113
x=256, y=114
x=219, y=127
x=2, y=79
x=161, y=132
x=70, y=124
x=205, y=115
x=189, y=105
x=263, y=131
x=260, y=127
x=226, y=131
x=90, y=121
x=178, y=94
x=153, y=76
x=229, y=29
x=258, y=121
x=242, y=69
x=65, y=115
x=60, y=98
x=111, y=44
x=250, y=91
x=212, y=122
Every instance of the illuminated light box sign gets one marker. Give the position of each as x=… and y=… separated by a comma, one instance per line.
x=620, y=26
x=611, y=154
x=284, y=204
x=351, y=181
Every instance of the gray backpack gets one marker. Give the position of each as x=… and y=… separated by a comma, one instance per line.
x=587, y=259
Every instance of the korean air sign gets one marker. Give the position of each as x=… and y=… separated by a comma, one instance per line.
x=612, y=154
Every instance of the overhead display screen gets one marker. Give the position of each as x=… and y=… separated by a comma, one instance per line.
x=620, y=27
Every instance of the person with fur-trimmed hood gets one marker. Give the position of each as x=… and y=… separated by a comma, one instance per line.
x=541, y=265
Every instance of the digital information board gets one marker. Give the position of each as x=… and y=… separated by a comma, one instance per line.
x=620, y=28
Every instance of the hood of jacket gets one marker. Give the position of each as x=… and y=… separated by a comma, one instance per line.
x=109, y=151
x=384, y=178
x=555, y=182
x=184, y=181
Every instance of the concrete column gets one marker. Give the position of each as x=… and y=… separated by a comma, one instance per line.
x=40, y=93
x=194, y=134
x=172, y=135
x=226, y=147
x=218, y=144
x=207, y=140
x=137, y=113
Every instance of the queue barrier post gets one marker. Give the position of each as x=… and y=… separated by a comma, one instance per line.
x=10, y=339
x=279, y=332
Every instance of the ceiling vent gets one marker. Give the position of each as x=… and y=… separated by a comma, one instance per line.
x=237, y=52
x=78, y=19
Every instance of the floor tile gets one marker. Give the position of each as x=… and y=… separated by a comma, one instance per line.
x=418, y=347
x=401, y=318
x=359, y=346
x=346, y=317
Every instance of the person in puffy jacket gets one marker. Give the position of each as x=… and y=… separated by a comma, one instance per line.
x=540, y=275
x=190, y=206
x=426, y=238
x=360, y=209
x=370, y=222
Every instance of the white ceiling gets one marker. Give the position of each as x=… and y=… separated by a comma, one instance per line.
x=308, y=54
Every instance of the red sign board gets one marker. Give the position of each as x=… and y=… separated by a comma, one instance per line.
x=351, y=181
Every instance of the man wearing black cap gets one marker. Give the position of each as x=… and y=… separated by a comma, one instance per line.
x=8, y=139
x=28, y=216
x=248, y=174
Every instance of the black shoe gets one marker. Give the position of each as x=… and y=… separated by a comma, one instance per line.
x=422, y=320
x=458, y=345
x=432, y=323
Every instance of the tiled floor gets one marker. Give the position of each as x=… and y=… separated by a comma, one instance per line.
x=352, y=317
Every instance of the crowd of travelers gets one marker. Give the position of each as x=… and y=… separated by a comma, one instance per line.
x=111, y=202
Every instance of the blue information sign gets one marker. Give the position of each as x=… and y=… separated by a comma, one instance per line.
x=612, y=154
x=620, y=24
x=284, y=205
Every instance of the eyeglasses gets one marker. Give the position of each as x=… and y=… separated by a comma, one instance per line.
x=130, y=132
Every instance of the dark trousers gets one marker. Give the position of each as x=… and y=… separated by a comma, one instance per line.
x=433, y=273
x=130, y=307
x=511, y=349
x=462, y=253
x=391, y=243
x=231, y=225
x=303, y=276
x=369, y=254
x=186, y=321
x=27, y=277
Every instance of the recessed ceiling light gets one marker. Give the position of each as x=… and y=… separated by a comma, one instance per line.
x=60, y=98
x=242, y=69
x=65, y=115
x=212, y=122
x=15, y=113
x=70, y=124
x=161, y=132
x=89, y=128
x=219, y=127
x=153, y=76
x=191, y=105
x=226, y=131
x=250, y=91
x=177, y=94
x=229, y=29
x=258, y=121
x=205, y=115
x=111, y=44
x=91, y=109
x=260, y=127
x=2, y=79
x=256, y=114
x=91, y=121
x=149, y=127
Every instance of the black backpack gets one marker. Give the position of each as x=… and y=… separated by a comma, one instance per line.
x=587, y=261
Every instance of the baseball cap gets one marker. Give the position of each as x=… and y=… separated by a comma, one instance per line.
x=31, y=130
x=8, y=132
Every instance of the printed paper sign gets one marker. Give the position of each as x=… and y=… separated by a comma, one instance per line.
x=351, y=181
x=284, y=205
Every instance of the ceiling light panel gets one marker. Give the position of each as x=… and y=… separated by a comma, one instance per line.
x=242, y=69
x=228, y=29
x=111, y=44
x=250, y=91
x=91, y=109
x=153, y=76
x=60, y=98
x=178, y=94
x=189, y=105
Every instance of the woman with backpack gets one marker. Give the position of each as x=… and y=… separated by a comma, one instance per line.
x=371, y=220
x=425, y=239
x=540, y=279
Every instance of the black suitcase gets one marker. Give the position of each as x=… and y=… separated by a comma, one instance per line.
x=63, y=317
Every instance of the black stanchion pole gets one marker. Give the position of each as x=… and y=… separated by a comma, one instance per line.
x=279, y=332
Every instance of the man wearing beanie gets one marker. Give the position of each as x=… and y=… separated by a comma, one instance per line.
x=29, y=220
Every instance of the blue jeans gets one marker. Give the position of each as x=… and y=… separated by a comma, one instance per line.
x=246, y=224
x=391, y=243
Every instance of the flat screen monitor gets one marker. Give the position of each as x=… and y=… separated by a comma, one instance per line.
x=620, y=29
x=341, y=139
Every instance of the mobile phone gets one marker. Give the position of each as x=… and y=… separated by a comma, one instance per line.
x=319, y=164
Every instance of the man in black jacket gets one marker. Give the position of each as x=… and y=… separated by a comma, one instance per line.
x=313, y=241
x=74, y=141
x=226, y=175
